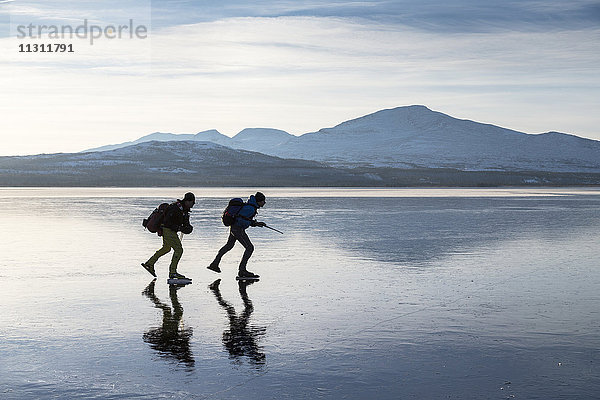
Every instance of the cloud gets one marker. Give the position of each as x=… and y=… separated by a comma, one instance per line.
x=107, y=11
x=428, y=15
x=298, y=74
x=305, y=45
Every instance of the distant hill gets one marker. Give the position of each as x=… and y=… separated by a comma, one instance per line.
x=172, y=163
x=248, y=139
x=404, y=146
x=196, y=164
x=212, y=135
x=260, y=139
x=416, y=137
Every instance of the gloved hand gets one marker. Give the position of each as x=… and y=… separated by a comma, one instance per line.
x=261, y=224
x=187, y=229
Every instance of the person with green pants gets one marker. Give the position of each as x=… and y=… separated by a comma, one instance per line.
x=177, y=218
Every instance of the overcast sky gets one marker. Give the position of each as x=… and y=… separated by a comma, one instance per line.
x=299, y=66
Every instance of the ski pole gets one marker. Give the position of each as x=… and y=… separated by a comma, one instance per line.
x=273, y=229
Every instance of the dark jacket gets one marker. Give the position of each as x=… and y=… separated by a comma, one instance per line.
x=177, y=218
x=245, y=217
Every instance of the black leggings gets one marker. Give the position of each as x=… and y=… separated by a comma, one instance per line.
x=236, y=234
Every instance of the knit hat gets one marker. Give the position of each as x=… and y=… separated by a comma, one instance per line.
x=259, y=196
x=189, y=197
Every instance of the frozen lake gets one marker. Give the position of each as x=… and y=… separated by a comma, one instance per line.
x=381, y=294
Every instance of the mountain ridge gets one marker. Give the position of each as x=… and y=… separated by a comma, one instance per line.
x=418, y=137
x=170, y=163
x=206, y=164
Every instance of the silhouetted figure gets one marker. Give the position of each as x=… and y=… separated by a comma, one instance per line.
x=170, y=340
x=237, y=233
x=241, y=339
x=176, y=219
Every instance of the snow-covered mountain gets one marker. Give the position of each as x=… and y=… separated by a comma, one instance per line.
x=171, y=163
x=415, y=137
x=197, y=163
x=260, y=139
x=247, y=139
x=211, y=135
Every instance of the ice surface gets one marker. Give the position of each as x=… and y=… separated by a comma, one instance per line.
x=387, y=294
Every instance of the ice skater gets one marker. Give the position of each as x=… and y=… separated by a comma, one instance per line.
x=176, y=219
x=243, y=220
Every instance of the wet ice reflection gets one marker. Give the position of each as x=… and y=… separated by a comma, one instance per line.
x=241, y=339
x=401, y=295
x=171, y=340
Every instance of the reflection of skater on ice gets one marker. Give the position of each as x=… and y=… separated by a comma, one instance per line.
x=170, y=340
x=241, y=339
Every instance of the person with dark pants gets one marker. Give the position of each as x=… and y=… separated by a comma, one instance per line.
x=237, y=232
x=177, y=218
